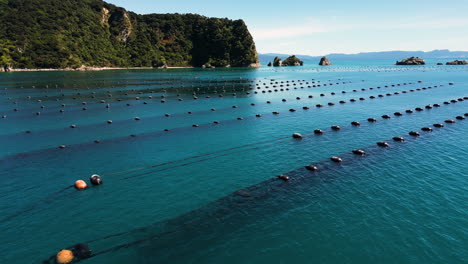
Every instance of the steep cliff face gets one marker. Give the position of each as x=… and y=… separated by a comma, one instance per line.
x=72, y=33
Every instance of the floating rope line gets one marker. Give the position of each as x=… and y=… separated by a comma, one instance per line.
x=207, y=156
x=319, y=105
x=332, y=128
x=230, y=201
x=149, y=97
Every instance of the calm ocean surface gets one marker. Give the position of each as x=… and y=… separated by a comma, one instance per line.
x=209, y=194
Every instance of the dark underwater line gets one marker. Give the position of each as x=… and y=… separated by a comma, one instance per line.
x=269, y=186
x=205, y=156
x=156, y=133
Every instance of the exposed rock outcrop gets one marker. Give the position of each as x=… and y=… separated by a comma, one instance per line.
x=411, y=61
x=290, y=61
x=324, y=61
x=277, y=62
x=293, y=61
x=270, y=64
x=457, y=62
x=5, y=68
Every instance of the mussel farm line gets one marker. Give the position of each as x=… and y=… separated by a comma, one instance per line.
x=253, y=194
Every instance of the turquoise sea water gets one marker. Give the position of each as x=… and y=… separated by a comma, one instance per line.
x=209, y=194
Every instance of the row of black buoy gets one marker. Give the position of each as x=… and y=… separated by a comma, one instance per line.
x=373, y=120
x=137, y=98
x=383, y=144
x=108, y=105
x=317, y=131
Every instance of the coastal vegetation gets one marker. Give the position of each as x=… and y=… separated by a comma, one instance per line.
x=290, y=61
x=72, y=34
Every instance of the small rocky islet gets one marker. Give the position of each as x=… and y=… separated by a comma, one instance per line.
x=324, y=61
x=411, y=61
x=290, y=61
x=457, y=62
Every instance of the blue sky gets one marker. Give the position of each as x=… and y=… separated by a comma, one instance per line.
x=333, y=26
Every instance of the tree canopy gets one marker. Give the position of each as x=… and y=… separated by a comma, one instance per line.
x=72, y=33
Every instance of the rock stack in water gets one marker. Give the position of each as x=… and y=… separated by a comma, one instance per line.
x=457, y=62
x=324, y=61
x=411, y=61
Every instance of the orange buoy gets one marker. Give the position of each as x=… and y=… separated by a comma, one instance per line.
x=65, y=256
x=80, y=185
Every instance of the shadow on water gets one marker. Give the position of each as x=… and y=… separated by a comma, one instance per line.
x=168, y=239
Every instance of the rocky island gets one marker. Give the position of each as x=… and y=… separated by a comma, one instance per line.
x=457, y=62
x=290, y=61
x=324, y=61
x=56, y=34
x=411, y=61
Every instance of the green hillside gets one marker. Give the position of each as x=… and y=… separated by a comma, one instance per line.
x=72, y=33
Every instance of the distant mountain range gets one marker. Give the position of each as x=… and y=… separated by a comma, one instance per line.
x=383, y=55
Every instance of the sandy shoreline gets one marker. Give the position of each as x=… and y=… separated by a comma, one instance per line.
x=94, y=69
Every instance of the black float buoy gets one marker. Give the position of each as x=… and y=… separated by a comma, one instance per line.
x=319, y=105
x=297, y=136
x=355, y=123
x=460, y=118
x=383, y=144
x=398, y=114
x=275, y=112
x=335, y=127
x=318, y=132
x=311, y=167
x=372, y=120
x=81, y=251
x=359, y=152
x=305, y=107
x=399, y=139
x=336, y=159
x=386, y=117
x=413, y=133
x=283, y=177
x=95, y=179
x=427, y=129
x=438, y=125
x=409, y=111
x=450, y=121
x=137, y=118
x=258, y=115
x=215, y=122
x=73, y=126
x=292, y=110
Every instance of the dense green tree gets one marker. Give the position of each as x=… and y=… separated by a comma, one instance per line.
x=72, y=33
